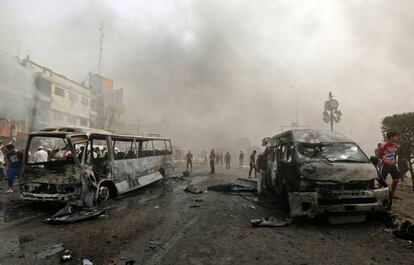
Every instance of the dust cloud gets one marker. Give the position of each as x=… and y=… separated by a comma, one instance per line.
x=216, y=71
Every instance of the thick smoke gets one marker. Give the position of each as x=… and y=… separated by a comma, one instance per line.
x=215, y=71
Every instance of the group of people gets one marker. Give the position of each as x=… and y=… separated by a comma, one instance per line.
x=11, y=162
x=217, y=159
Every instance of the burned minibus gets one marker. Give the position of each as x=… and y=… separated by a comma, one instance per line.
x=85, y=166
x=322, y=172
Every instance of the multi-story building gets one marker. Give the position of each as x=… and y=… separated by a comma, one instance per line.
x=60, y=101
x=33, y=96
x=109, y=104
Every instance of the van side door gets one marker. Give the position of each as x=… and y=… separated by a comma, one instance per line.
x=287, y=167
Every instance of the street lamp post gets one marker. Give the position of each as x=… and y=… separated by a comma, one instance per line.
x=331, y=113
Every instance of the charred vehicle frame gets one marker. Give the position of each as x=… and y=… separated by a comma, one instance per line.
x=322, y=172
x=85, y=166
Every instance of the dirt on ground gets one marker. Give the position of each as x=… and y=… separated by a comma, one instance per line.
x=163, y=224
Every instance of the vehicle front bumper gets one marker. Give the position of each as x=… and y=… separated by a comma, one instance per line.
x=343, y=201
x=27, y=196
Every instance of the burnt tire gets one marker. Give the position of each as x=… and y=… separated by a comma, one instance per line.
x=103, y=193
x=106, y=191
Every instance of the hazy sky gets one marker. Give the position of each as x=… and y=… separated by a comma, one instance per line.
x=228, y=69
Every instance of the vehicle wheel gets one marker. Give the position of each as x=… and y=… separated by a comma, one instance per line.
x=103, y=193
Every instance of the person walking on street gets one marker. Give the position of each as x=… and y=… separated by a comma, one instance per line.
x=212, y=161
x=227, y=159
x=3, y=174
x=241, y=158
x=253, y=164
x=189, y=158
x=221, y=159
x=14, y=160
x=388, y=155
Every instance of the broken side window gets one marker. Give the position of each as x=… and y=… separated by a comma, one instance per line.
x=145, y=148
x=169, y=147
x=124, y=148
x=160, y=147
x=44, y=149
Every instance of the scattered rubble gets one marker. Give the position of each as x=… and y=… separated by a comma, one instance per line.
x=236, y=185
x=403, y=229
x=270, y=222
x=72, y=213
x=67, y=256
x=86, y=262
x=194, y=189
x=49, y=252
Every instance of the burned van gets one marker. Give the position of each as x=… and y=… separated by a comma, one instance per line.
x=322, y=172
x=84, y=166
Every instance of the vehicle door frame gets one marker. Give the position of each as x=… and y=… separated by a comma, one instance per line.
x=287, y=168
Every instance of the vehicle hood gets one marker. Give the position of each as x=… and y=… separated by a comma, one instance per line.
x=339, y=172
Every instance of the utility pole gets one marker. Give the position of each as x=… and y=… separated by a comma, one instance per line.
x=331, y=113
x=101, y=29
x=295, y=124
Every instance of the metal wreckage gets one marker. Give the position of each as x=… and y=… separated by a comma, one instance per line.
x=322, y=172
x=86, y=167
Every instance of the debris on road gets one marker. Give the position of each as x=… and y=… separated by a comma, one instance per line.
x=194, y=189
x=404, y=230
x=72, y=213
x=270, y=222
x=251, y=206
x=195, y=206
x=236, y=185
x=86, y=262
x=186, y=173
x=67, y=256
x=155, y=245
x=49, y=252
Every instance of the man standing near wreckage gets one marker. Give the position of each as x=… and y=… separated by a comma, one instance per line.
x=253, y=164
x=189, y=158
x=212, y=161
x=14, y=160
x=241, y=157
x=227, y=159
x=388, y=155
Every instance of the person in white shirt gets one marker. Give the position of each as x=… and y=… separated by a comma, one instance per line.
x=40, y=155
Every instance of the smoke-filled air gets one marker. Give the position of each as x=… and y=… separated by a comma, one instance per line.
x=217, y=71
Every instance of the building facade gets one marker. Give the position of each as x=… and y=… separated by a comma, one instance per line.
x=33, y=97
x=59, y=101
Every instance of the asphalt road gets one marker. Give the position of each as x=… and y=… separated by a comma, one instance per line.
x=165, y=225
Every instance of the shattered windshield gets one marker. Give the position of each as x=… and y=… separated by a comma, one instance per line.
x=44, y=149
x=334, y=152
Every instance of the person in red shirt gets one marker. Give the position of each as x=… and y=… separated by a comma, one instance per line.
x=388, y=156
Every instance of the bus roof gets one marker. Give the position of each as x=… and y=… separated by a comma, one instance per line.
x=314, y=136
x=88, y=132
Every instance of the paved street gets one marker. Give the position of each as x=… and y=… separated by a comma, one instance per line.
x=165, y=225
